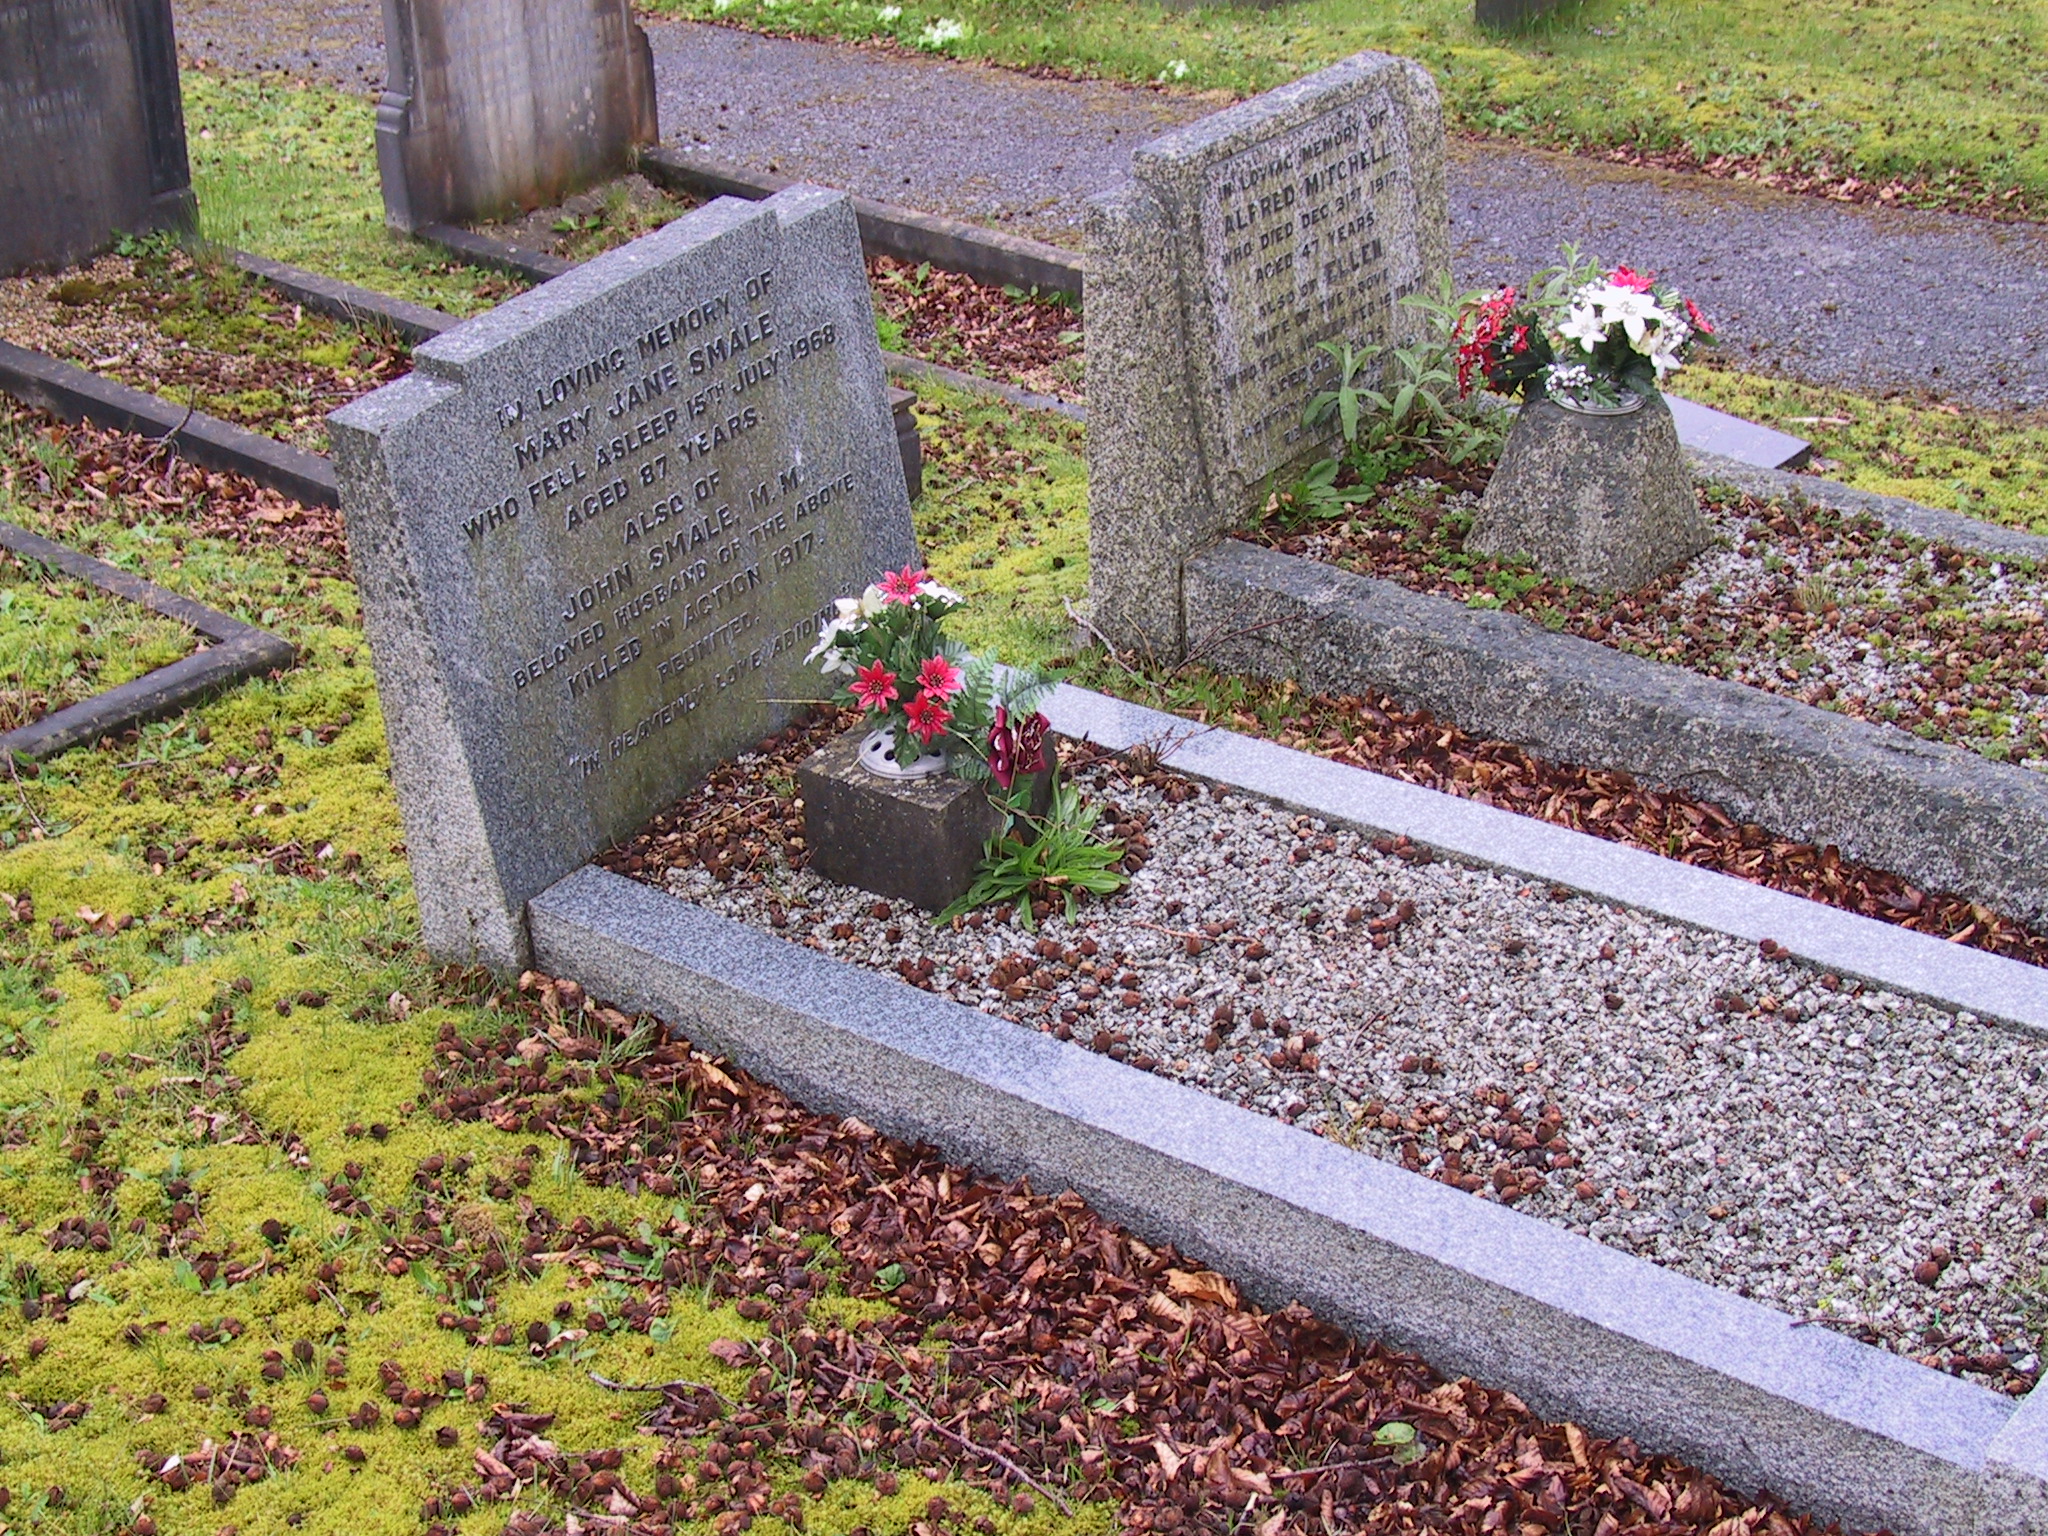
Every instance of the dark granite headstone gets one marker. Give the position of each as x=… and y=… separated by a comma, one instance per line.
x=92, y=128
x=1510, y=15
x=495, y=106
x=596, y=532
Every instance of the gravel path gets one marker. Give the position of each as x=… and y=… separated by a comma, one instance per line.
x=1670, y=1092
x=1873, y=299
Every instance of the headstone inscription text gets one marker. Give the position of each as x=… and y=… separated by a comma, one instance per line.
x=1241, y=242
x=596, y=533
x=1306, y=239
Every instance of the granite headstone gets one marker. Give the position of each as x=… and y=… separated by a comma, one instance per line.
x=495, y=106
x=92, y=128
x=596, y=531
x=1239, y=243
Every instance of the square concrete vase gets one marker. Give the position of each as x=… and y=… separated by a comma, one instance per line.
x=1601, y=499
x=918, y=840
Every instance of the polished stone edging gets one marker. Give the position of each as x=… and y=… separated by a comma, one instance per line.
x=238, y=651
x=1884, y=954
x=1942, y=817
x=76, y=394
x=1579, y=1330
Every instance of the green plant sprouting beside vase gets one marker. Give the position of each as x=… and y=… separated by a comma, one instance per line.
x=1395, y=408
x=1580, y=332
x=894, y=663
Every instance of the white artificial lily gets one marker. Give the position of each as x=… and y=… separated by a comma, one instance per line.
x=871, y=602
x=1636, y=312
x=828, y=641
x=931, y=588
x=1583, y=325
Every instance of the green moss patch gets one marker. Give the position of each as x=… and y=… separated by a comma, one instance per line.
x=290, y=171
x=63, y=640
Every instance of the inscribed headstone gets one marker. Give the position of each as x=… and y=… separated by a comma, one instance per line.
x=92, y=128
x=495, y=106
x=596, y=531
x=1240, y=242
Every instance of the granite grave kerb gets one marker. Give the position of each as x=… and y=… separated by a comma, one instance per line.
x=595, y=533
x=1242, y=242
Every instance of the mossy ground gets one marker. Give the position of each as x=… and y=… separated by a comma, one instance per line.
x=1988, y=464
x=211, y=982
x=1940, y=91
x=62, y=640
x=289, y=171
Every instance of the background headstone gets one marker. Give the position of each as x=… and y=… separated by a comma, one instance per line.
x=496, y=106
x=1240, y=242
x=1510, y=15
x=92, y=128
x=596, y=532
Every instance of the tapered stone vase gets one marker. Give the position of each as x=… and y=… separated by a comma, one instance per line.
x=1599, y=496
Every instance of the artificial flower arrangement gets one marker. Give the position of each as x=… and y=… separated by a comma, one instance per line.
x=895, y=664
x=1581, y=333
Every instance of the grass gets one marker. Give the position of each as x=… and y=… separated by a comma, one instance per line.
x=1944, y=93
x=1988, y=464
x=290, y=172
x=63, y=640
x=210, y=981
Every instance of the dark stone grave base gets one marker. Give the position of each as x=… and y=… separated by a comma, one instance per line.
x=917, y=840
x=914, y=840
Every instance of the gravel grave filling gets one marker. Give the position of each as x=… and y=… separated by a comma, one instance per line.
x=1859, y=1159
x=1835, y=611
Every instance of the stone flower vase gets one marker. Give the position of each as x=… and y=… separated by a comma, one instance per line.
x=915, y=838
x=1603, y=500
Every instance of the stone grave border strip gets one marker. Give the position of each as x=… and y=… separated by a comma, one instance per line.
x=239, y=651
x=1579, y=1330
x=1829, y=938
x=888, y=229
x=1938, y=815
x=346, y=301
x=76, y=394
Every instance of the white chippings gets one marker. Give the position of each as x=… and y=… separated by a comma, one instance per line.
x=1732, y=1117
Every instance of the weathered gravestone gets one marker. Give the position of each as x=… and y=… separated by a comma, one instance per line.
x=493, y=106
x=596, y=532
x=92, y=128
x=1240, y=242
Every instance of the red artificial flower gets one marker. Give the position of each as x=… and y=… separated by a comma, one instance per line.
x=939, y=678
x=1626, y=277
x=1699, y=321
x=901, y=586
x=1015, y=748
x=929, y=717
x=875, y=686
x=1519, y=342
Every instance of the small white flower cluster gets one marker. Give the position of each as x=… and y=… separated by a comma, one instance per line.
x=888, y=12
x=938, y=34
x=1176, y=70
x=1652, y=329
